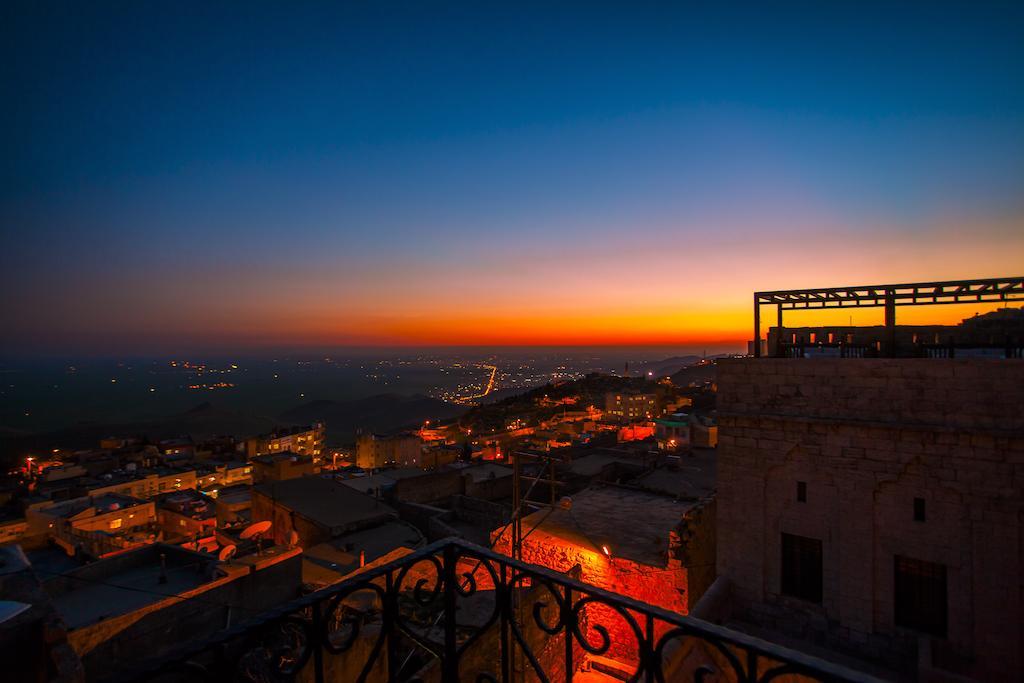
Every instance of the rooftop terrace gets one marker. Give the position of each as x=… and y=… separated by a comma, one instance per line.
x=890, y=297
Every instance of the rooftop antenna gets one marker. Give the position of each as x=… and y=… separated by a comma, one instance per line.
x=10, y=609
x=227, y=552
x=256, y=531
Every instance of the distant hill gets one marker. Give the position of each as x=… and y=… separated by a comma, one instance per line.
x=695, y=373
x=671, y=366
x=383, y=412
x=663, y=368
x=201, y=422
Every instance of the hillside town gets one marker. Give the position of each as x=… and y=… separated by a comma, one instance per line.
x=462, y=342
x=643, y=486
x=302, y=515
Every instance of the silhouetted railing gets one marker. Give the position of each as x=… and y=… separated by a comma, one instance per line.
x=453, y=611
x=1008, y=350
x=826, y=350
x=846, y=350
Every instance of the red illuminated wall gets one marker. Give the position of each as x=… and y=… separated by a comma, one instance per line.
x=661, y=586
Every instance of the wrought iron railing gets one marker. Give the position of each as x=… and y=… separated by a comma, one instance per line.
x=454, y=611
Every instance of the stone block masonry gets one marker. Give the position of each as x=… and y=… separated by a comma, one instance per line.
x=910, y=458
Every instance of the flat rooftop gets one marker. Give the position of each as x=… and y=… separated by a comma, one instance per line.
x=485, y=471
x=326, y=502
x=365, y=484
x=592, y=464
x=238, y=493
x=634, y=524
x=330, y=561
x=694, y=477
x=123, y=584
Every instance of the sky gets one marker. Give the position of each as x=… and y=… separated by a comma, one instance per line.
x=185, y=176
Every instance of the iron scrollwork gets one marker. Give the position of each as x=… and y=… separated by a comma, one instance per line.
x=456, y=611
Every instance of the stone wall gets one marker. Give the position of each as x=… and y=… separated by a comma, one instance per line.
x=428, y=487
x=665, y=586
x=867, y=437
x=481, y=512
x=695, y=545
x=161, y=626
x=284, y=521
x=498, y=488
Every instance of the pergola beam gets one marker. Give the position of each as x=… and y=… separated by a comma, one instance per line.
x=889, y=296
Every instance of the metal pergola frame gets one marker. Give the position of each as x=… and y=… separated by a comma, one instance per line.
x=888, y=296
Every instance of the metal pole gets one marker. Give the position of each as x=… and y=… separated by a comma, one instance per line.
x=778, y=334
x=757, y=328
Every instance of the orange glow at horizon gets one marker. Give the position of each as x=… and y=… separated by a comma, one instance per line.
x=605, y=293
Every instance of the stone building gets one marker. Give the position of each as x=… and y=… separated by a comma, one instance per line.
x=651, y=546
x=317, y=509
x=875, y=506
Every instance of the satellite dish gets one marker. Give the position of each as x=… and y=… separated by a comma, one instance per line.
x=227, y=552
x=293, y=538
x=254, y=530
x=10, y=609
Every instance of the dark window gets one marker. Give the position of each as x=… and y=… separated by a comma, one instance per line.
x=920, y=595
x=801, y=491
x=919, y=509
x=801, y=567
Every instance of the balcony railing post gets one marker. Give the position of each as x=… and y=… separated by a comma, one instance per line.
x=503, y=594
x=450, y=663
x=319, y=633
x=650, y=654
x=389, y=621
x=566, y=616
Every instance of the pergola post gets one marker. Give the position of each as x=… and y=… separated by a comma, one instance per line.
x=757, y=328
x=778, y=333
x=890, y=324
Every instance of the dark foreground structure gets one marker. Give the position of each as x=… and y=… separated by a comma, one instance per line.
x=874, y=505
x=453, y=611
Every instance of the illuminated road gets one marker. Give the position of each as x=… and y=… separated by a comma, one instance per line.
x=490, y=384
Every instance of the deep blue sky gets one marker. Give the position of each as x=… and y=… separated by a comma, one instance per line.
x=179, y=174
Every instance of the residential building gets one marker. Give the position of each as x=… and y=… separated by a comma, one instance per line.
x=281, y=466
x=12, y=530
x=317, y=509
x=339, y=528
x=186, y=515
x=95, y=525
x=211, y=477
x=374, y=451
x=142, y=482
x=673, y=432
x=305, y=440
x=144, y=603
x=631, y=405
x=233, y=504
